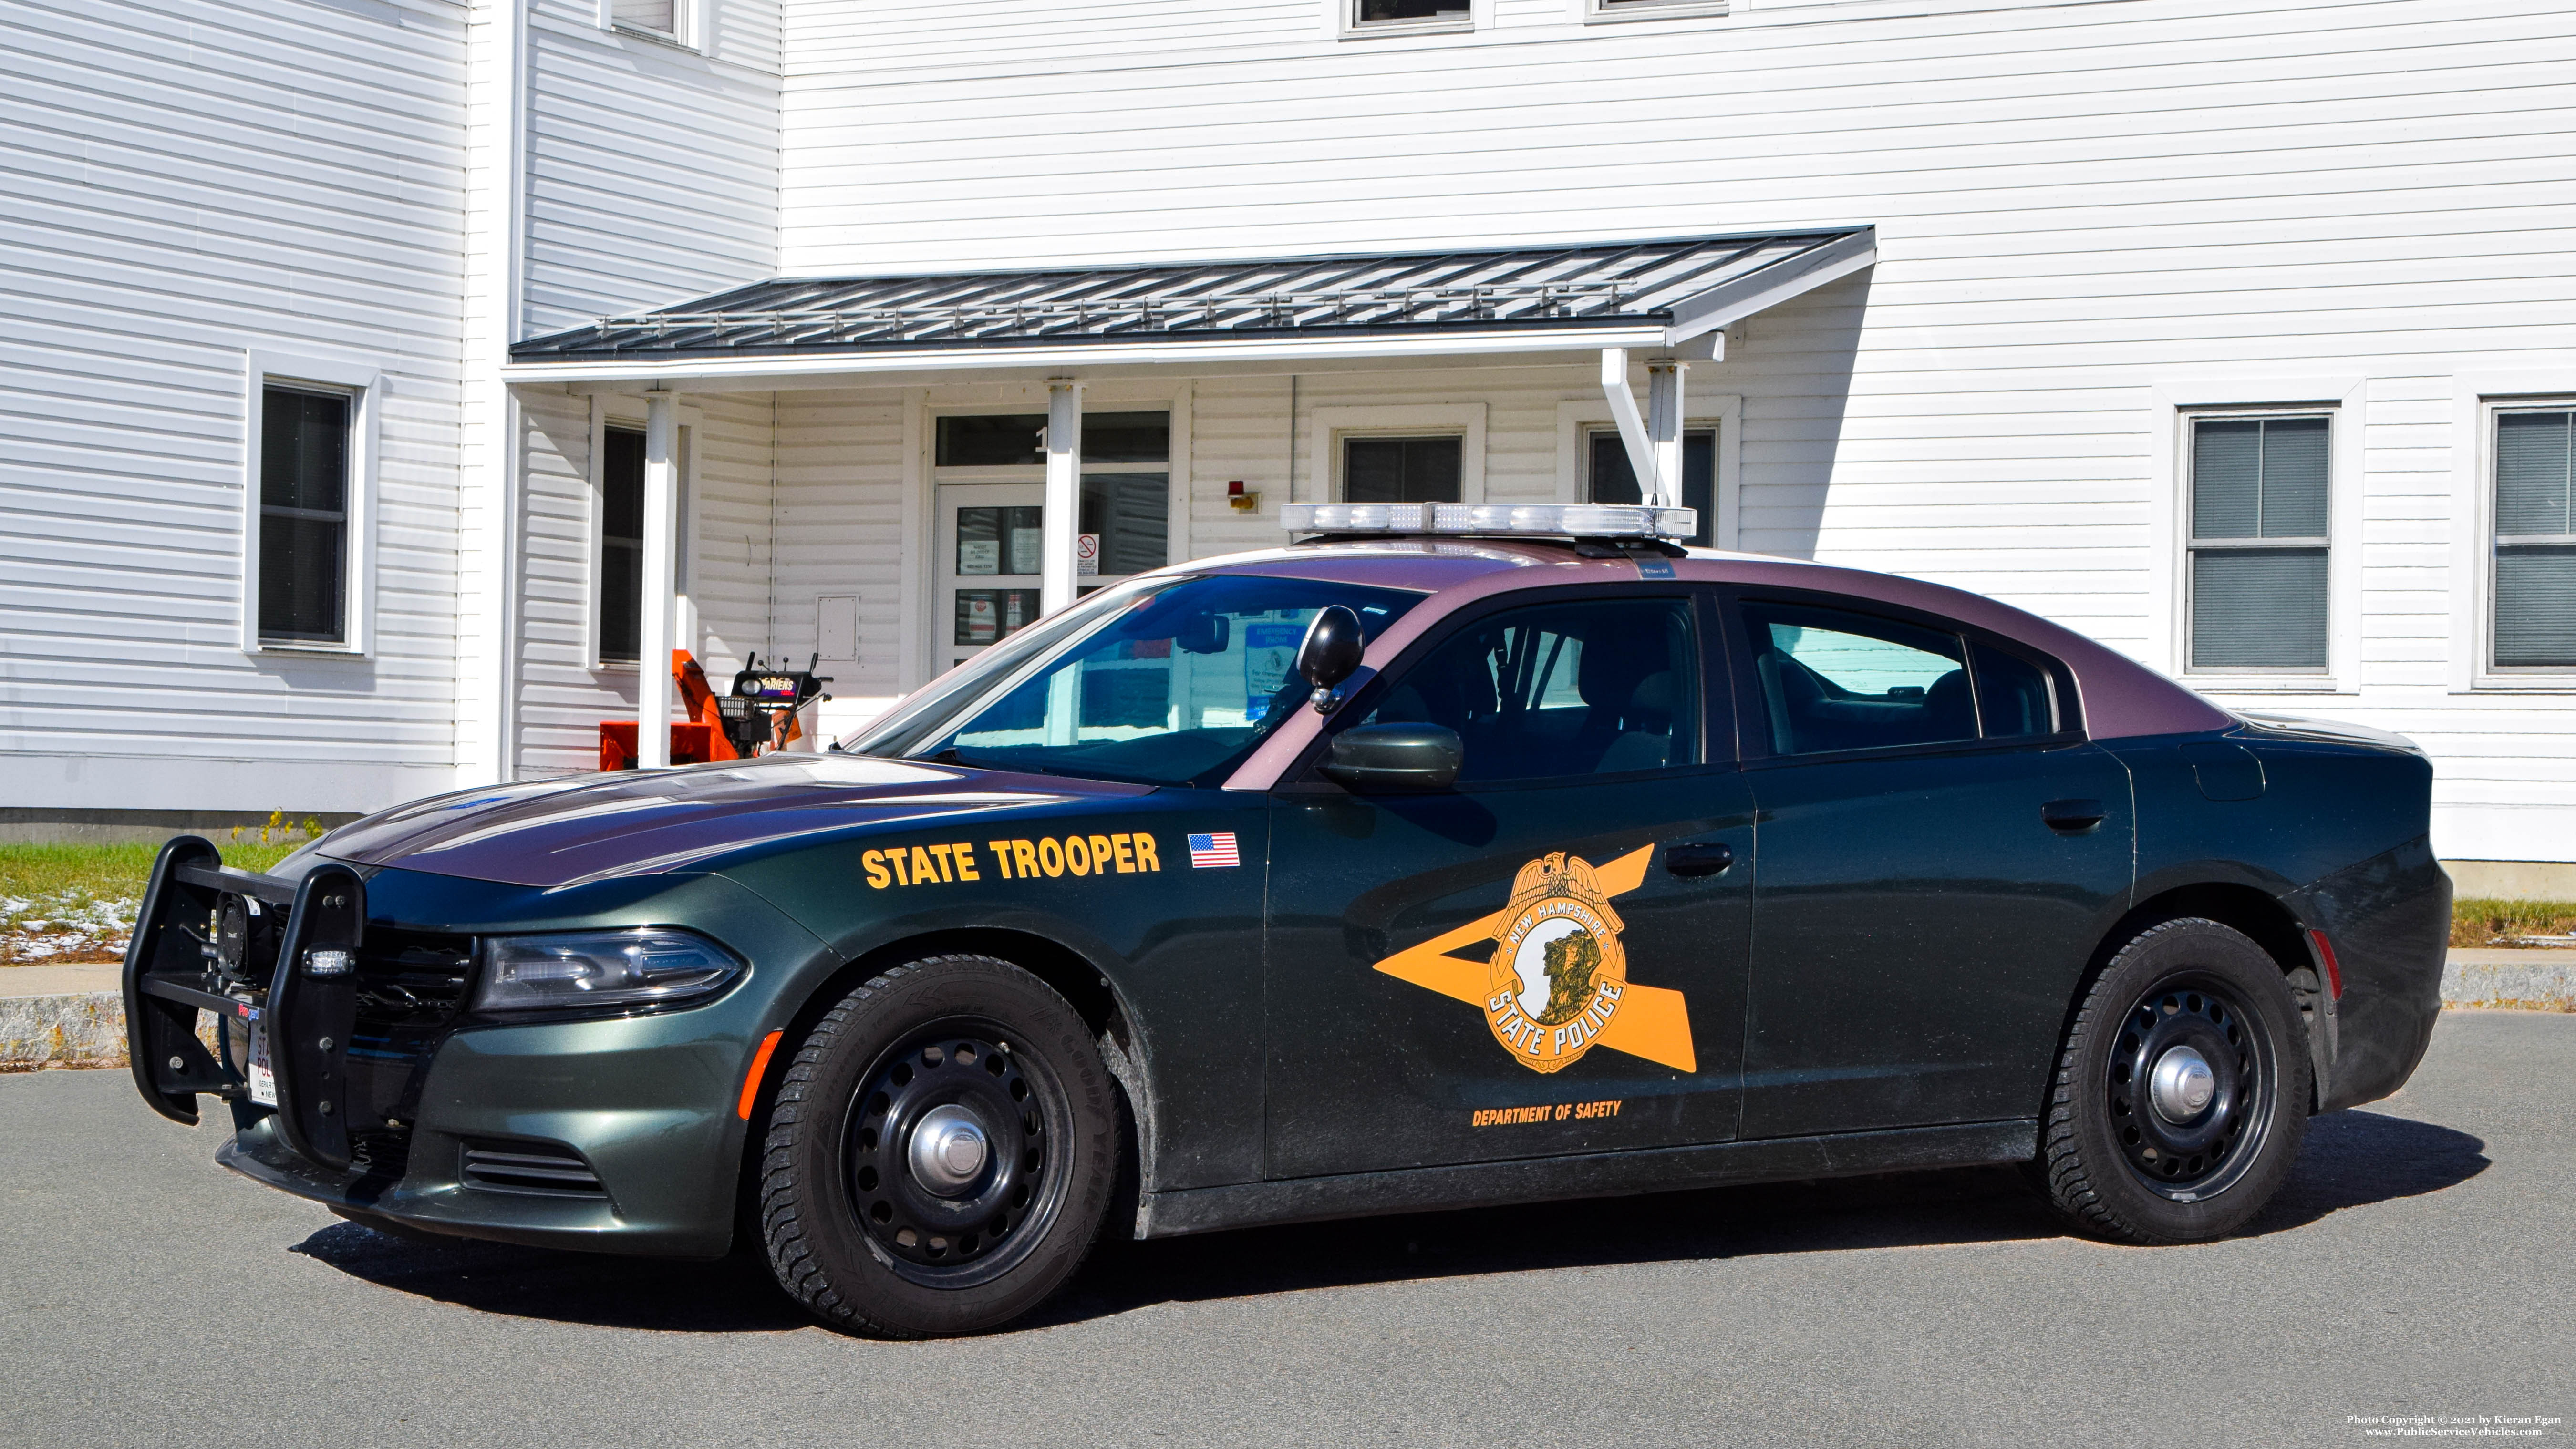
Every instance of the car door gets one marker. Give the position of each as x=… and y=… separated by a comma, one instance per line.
x=1512, y=967
x=1941, y=850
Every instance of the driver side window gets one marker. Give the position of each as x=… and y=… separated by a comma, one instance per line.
x=1591, y=687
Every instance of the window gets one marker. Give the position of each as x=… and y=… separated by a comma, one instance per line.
x=1835, y=680
x=1599, y=687
x=2258, y=544
x=304, y=479
x=621, y=546
x=2534, y=603
x=1407, y=14
x=1159, y=683
x=674, y=20
x=1612, y=480
x=1403, y=470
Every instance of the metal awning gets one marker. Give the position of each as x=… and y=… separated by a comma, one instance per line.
x=1655, y=294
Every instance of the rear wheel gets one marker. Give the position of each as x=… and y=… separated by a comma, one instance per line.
x=941, y=1151
x=2181, y=1093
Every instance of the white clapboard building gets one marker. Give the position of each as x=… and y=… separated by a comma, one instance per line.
x=383, y=378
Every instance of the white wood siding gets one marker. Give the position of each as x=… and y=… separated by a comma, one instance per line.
x=2078, y=205
x=652, y=169
x=562, y=695
x=186, y=180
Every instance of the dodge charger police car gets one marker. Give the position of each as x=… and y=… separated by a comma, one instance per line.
x=1454, y=855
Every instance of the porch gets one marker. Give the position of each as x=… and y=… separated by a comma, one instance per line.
x=889, y=475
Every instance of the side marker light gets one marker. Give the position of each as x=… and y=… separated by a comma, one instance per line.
x=2334, y=973
x=760, y=1064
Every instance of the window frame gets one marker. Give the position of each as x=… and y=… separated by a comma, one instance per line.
x=1717, y=745
x=1342, y=22
x=1753, y=726
x=690, y=21
x=628, y=412
x=1578, y=419
x=1613, y=12
x=2175, y=404
x=364, y=386
x=2194, y=545
x=2486, y=573
x=1330, y=426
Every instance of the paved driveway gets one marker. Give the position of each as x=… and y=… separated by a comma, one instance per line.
x=2422, y=1262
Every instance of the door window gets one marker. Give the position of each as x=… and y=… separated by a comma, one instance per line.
x=1834, y=680
x=1592, y=687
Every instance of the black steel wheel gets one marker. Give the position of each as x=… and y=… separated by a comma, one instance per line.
x=941, y=1153
x=949, y=1154
x=2181, y=1092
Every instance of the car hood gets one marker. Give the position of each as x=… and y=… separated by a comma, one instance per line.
x=638, y=822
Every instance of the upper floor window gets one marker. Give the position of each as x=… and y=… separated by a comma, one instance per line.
x=2258, y=578
x=304, y=492
x=1361, y=17
x=2535, y=540
x=674, y=20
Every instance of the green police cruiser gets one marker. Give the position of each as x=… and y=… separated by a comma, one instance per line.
x=1454, y=855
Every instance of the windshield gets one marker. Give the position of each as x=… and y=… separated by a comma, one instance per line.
x=1160, y=682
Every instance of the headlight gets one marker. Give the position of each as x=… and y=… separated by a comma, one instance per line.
x=646, y=966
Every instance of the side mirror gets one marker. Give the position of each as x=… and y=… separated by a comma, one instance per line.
x=1421, y=756
x=1206, y=634
x=1331, y=650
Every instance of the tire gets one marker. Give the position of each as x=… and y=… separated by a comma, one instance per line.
x=2124, y=1152
x=876, y=1237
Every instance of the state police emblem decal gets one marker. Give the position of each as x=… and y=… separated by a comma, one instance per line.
x=1557, y=972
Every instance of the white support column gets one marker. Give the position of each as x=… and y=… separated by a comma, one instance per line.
x=1664, y=428
x=1632, y=428
x=661, y=537
x=1062, y=521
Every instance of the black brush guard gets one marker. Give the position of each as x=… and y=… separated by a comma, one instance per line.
x=181, y=962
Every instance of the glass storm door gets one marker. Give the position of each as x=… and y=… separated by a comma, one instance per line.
x=990, y=535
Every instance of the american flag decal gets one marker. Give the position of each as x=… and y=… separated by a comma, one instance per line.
x=1214, y=852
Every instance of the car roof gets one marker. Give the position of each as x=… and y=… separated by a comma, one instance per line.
x=2121, y=698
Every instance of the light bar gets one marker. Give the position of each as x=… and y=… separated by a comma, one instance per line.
x=1550, y=520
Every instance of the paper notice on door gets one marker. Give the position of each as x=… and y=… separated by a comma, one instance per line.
x=1027, y=551
x=1086, y=555
x=1269, y=653
x=982, y=627
x=979, y=556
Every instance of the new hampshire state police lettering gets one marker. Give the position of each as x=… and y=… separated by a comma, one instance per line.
x=1127, y=853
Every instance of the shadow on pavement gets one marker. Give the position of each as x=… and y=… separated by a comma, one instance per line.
x=2350, y=1159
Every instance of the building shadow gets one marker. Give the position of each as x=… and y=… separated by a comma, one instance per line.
x=1800, y=360
x=2350, y=1159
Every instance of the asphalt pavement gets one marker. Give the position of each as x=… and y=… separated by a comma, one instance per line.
x=2419, y=1264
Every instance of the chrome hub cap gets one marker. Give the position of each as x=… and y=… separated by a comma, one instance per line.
x=2181, y=1085
x=949, y=1149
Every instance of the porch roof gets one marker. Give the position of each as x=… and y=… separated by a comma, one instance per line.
x=1664, y=293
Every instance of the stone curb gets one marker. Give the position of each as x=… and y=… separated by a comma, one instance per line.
x=84, y=1030
x=2526, y=986
x=88, y=1029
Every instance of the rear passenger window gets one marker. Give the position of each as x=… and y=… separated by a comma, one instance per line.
x=1839, y=681
x=2013, y=697
x=1597, y=687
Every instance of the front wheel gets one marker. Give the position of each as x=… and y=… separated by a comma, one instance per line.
x=941, y=1153
x=2181, y=1092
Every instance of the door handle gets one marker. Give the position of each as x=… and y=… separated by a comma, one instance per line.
x=1698, y=860
x=2071, y=817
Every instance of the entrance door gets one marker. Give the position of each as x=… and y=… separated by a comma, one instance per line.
x=1938, y=857
x=1548, y=958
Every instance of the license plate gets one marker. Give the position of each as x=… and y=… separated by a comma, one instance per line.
x=263, y=1078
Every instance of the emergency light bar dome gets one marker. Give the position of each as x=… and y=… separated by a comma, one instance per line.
x=1550, y=520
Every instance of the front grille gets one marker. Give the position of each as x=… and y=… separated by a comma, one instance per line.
x=412, y=980
x=530, y=1167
